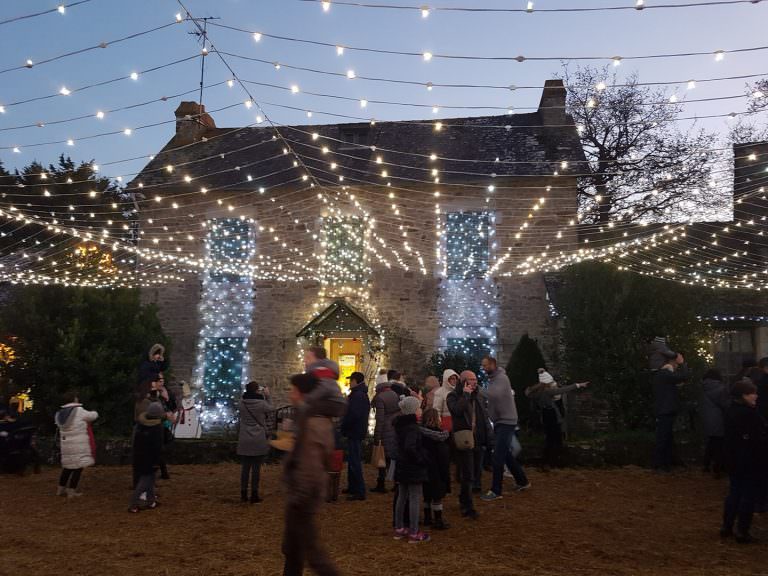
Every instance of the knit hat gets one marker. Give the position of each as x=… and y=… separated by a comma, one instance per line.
x=409, y=405
x=545, y=377
x=155, y=411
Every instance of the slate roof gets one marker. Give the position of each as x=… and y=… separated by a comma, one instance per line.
x=523, y=143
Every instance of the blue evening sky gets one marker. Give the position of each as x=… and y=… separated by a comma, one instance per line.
x=622, y=33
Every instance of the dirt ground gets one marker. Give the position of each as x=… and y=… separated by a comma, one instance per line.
x=572, y=522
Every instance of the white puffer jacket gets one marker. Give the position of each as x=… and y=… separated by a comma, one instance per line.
x=440, y=402
x=72, y=421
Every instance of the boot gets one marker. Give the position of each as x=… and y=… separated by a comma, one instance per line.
x=255, y=498
x=440, y=524
x=243, y=496
x=428, y=516
x=380, y=487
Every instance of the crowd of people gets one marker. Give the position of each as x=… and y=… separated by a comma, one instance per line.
x=428, y=442
x=735, y=422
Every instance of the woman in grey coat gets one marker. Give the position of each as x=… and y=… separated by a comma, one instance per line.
x=253, y=441
x=386, y=404
x=713, y=403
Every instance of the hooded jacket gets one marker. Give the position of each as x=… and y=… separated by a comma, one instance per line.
x=355, y=423
x=252, y=438
x=76, y=451
x=440, y=402
x=149, y=368
x=412, y=458
x=713, y=403
x=438, y=454
x=666, y=399
x=327, y=396
x=545, y=397
x=385, y=402
x=501, y=399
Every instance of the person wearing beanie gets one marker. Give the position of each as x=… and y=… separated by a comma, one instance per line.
x=147, y=448
x=410, y=470
x=435, y=441
x=746, y=449
x=545, y=396
x=440, y=402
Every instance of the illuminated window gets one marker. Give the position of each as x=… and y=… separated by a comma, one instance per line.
x=223, y=368
x=345, y=259
x=467, y=245
x=470, y=347
x=228, y=245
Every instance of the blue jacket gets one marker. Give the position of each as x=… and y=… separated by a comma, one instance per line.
x=355, y=423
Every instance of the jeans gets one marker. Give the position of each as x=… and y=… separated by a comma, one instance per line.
x=740, y=502
x=664, y=456
x=502, y=455
x=70, y=477
x=355, y=480
x=146, y=484
x=408, y=494
x=250, y=466
x=466, y=463
x=477, y=467
x=301, y=544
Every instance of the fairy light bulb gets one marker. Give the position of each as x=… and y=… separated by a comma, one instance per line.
x=435, y=109
x=326, y=5
x=719, y=56
x=427, y=56
x=127, y=131
x=29, y=63
x=691, y=84
x=70, y=142
x=276, y=65
x=351, y=74
x=640, y=4
x=16, y=150
x=65, y=91
x=230, y=83
x=257, y=36
x=295, y=89
x=61, y=9
x=591, y=103
x=529, y=7
x=616, y=61
x=424, y=11
x=363, y=103
x=438, y=126
x=339, y=50
x=673, y=99
x=259, y=119
x=179, y=17
x=248, y=104
x=2, y=109
x=600, y=86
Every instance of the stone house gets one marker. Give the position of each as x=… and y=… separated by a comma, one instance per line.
x=384, y=241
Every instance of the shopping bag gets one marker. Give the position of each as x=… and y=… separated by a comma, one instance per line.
x=378, y=456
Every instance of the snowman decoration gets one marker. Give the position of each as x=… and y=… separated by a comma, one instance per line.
x=188, y=417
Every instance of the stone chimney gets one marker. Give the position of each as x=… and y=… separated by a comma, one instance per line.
x=192, y=122
x=552, y=105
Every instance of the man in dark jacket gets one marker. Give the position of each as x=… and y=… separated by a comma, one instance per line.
x=666, y=403
x=385, y=402
x=354, y=427
x=147, y=449
x=746, y=442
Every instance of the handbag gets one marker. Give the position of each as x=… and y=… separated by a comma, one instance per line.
x=464, y=440
x=378, y=456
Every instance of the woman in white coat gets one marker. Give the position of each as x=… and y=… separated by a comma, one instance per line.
x=77, y=445
x=440, y=400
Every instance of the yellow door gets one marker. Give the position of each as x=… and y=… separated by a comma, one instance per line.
x=347, y=353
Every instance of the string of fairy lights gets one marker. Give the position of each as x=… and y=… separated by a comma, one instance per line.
x=318, y=205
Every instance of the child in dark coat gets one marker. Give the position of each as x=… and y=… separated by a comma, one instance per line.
x=438, y=452
x=410, y=470
x=147, y=454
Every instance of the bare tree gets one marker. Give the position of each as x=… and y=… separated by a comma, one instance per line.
x=640, y=165
x=749, y=128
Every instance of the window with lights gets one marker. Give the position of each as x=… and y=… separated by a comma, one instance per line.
x=474, y=348
x=467, y=244
x=228, y=245
x=345, y=259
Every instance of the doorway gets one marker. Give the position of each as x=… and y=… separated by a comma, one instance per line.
x=348, y=354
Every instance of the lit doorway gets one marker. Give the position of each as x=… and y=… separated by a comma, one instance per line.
x=348, y=354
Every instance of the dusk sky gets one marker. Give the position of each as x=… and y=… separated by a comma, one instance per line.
x=622, y=33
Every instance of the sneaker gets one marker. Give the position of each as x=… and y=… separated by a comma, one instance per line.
x=401, y=533
x=416, y=537
x=490, y=496
x=519, y=488
x=152, y=505
x=61, y=491
x=73, y=493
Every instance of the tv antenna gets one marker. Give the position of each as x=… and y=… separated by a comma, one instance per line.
x=202, y=38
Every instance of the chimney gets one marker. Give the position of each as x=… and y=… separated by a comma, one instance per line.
x=192, y=122
x=552, y=105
